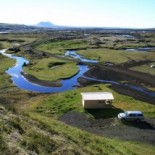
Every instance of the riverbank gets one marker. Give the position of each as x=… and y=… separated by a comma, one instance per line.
x=120, y=74
x=126, y=78
x=45, y=83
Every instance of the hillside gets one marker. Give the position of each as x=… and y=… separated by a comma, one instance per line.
x=36, y=134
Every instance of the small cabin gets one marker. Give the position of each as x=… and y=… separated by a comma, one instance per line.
x=97, y=100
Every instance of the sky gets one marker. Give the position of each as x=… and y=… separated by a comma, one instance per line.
x=96, y=13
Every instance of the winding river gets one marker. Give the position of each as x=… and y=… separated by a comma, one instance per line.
x=68, y=84
x=19, y=80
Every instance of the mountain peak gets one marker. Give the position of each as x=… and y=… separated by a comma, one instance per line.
x=46, y=24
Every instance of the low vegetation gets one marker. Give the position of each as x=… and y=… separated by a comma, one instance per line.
x=4, y=79
x=10, y=40
x=51, y=69
x=59, y=47
x=30, y=122
x=36, y=134
x=145, y=68
x=94, y=48
x=116, y=56
x=56, y=105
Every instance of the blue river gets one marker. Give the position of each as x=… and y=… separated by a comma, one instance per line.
x=68, y=84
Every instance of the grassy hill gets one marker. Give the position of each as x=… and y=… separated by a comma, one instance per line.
x=38, y=134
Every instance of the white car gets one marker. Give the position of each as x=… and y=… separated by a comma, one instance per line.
x=131, y=116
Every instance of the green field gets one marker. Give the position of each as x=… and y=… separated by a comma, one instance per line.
x=60, y=46
x=101, y=54
x=55, y=105
x=115, y=56
x=51, y=69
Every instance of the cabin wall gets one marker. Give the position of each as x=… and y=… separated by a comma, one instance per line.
x=96, y=104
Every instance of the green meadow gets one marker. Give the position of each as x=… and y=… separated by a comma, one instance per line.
x=101, y=54
x=61, y=46
x=51, y=69
x=116, y=56
x=56, y=105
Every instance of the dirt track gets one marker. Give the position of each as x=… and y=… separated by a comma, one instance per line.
x=113, y=128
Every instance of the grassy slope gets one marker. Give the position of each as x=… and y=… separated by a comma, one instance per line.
x=42, y=135
x=92, y=144
x=42, y=69
x=5, y=64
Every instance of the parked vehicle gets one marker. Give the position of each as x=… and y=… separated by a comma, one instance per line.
x=131, y=116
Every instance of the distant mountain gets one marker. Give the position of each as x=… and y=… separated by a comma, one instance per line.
x=43, y=26
x=47, y=25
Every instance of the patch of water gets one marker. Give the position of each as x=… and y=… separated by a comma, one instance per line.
x=21, y=82
x=74, y=55
x=141, y=49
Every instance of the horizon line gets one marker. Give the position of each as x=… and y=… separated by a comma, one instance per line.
x=75, y=26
